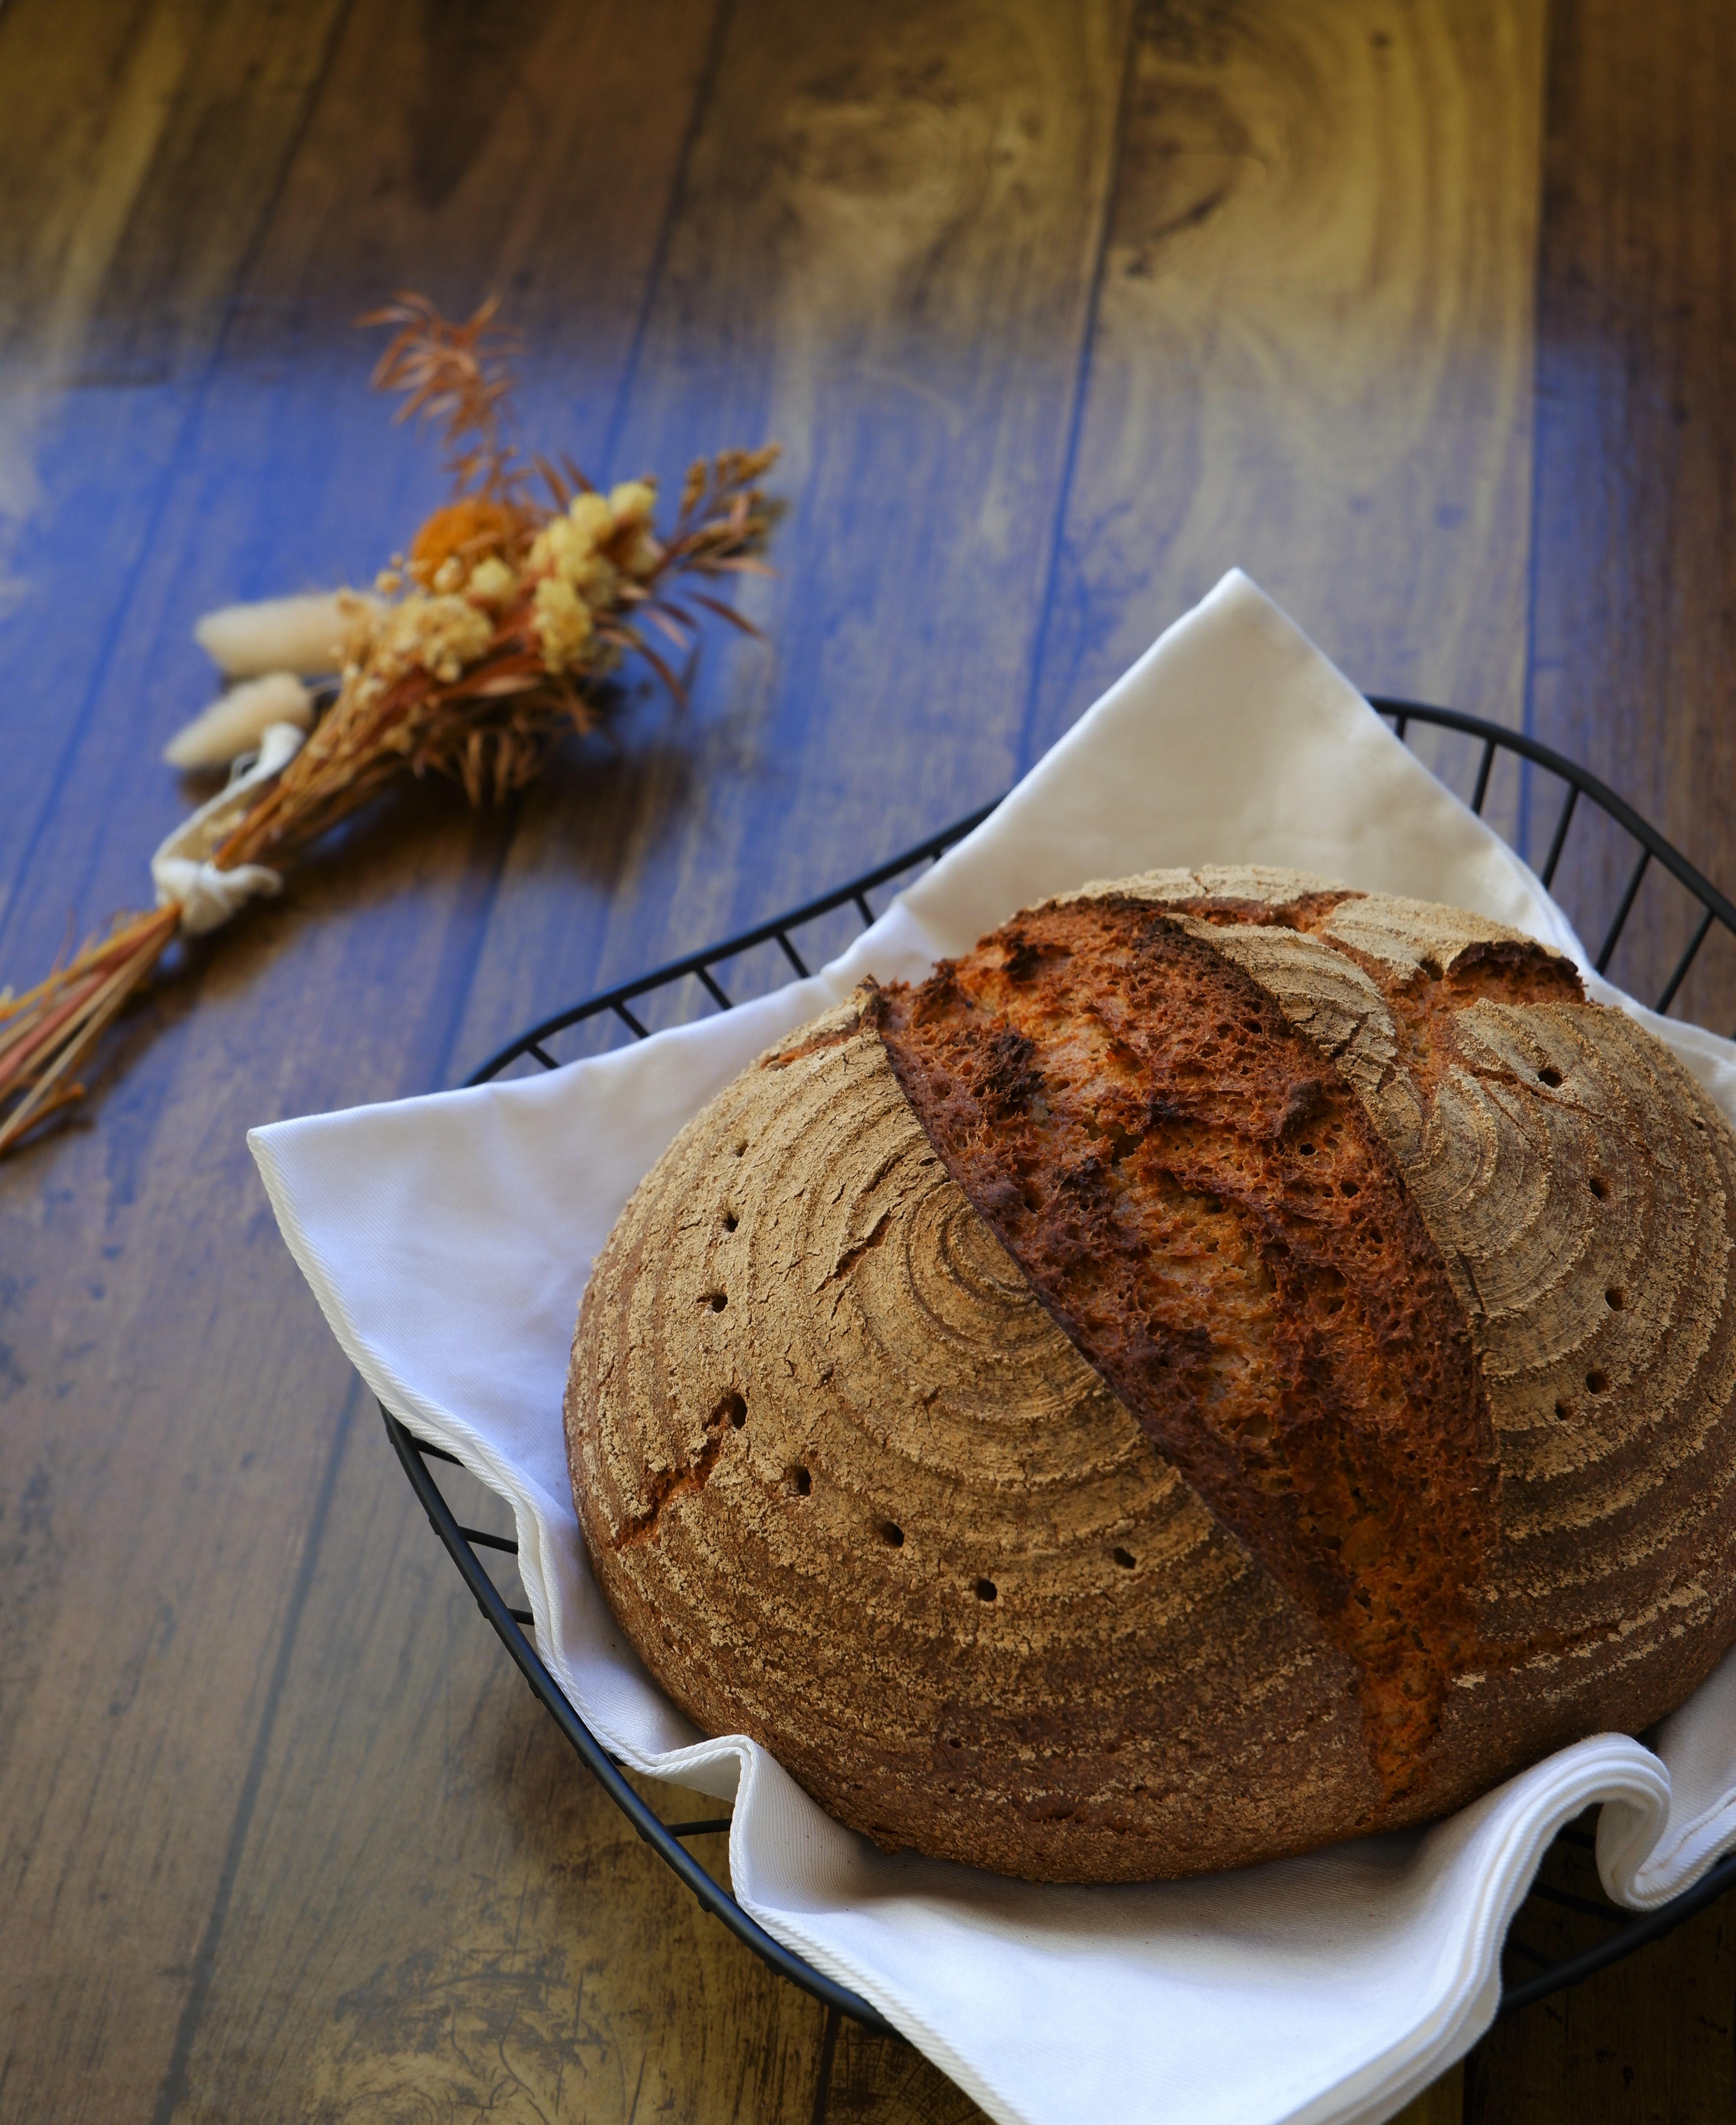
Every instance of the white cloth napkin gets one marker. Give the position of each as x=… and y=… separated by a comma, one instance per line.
x=448, y=1239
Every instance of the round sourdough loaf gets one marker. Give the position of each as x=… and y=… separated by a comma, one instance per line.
x=1229, y=1363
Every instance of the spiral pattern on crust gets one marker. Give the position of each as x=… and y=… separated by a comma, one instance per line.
x=1581, y=1188
x=851, y=1489
x=874, y=1510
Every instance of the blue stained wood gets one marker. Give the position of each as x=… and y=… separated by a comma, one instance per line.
x=882, y=259
x=1057, y=312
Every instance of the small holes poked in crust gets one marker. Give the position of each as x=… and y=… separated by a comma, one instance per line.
x=798, y=1482
x=1123, y=1558
x=987, y=1590
x=1549, y=1075
x=730, y=1221
x=715, y=1300
x=1599, y=1186
x=1596, y=1381
x=892, y=1534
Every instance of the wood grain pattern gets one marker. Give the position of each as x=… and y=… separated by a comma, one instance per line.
x=1636, y=457
x=1312, y=347
x=171, y=1518
x=106, y=1715
x=1648, y=2039
x=437, y=1912
x=226, y=1733
x=882, y=258
x=110, y=106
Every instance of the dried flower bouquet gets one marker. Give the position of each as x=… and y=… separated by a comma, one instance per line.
x=481, y=647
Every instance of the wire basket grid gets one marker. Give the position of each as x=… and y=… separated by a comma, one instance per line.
x=1623, y=1933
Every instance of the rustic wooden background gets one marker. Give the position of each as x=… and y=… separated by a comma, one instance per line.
x=1422, y=310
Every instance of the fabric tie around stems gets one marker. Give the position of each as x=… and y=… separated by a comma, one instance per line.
x=206, y=896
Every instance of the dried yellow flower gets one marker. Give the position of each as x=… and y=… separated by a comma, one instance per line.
x=563, y=547
x=441, y=634
x=632, y=501
x=493, y=580
x=589, y=515
x=563, y=622
x=568, y=550
x=455, y=634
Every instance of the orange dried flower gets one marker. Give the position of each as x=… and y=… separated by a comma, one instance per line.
x=465, y=530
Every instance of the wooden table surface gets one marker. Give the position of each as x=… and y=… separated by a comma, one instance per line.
x=1423, y=311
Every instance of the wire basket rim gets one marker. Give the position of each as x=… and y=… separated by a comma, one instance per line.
x=1632, y=1932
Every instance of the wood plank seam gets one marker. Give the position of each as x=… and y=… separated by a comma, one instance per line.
x=696, y=116
x=1552, y=30
x=204, y=1962
x=198, y=398
x=1082, y=383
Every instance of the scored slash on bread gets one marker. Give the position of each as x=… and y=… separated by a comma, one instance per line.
x=1227, y=1364
x=1205, y=1208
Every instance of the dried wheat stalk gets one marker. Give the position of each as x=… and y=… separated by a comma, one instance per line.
x=515, y=598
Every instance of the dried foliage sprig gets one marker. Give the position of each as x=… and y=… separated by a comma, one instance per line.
x=459, y=375
x=515, y=601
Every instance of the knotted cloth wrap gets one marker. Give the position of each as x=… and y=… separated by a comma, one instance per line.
x=448, y=1239
x=206, y=896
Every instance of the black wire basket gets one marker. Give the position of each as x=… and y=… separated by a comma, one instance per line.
x=687, y=987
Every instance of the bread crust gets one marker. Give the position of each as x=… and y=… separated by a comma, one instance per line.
x=1068, y=1483
x=1197, y=1194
